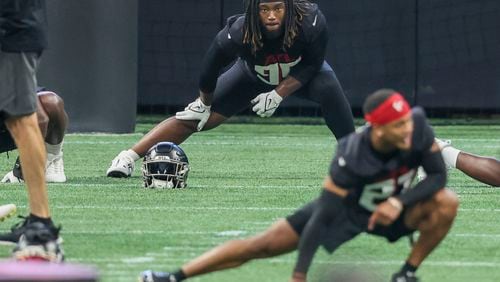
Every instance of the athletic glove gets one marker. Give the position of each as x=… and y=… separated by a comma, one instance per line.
x=266, y=103
x=195, y=111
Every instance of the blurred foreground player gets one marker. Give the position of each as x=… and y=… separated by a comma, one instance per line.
x=22, y=40
x=53, y=121
x=369, y=189
x=279, y=48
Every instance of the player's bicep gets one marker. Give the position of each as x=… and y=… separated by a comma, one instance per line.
x=220, y=54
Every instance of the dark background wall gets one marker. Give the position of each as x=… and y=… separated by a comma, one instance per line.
x=442, y=54
x=92, y=62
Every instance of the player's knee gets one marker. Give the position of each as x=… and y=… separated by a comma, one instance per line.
x=261, y=246
x=43, y=119
x=327, y=87
x=447, y=202
x=51, y=102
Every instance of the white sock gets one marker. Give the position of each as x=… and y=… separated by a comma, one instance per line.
x=54, y=149
x=132, y=154
x=450, y=156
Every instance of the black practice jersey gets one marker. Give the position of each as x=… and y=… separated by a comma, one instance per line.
x=372, y=177
x=23, y=25
x=271, y=64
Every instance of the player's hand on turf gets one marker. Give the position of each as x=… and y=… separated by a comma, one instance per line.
x=385, y=213
x=266, y=103
x=195, y=111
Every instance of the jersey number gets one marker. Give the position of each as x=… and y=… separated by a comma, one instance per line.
x=375, y=193
x=273, y=74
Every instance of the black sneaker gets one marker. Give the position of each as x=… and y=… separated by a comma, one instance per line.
x=39, y=241
x=12, y=237
x=154, y=276
x=17, y=171
x=404, y=277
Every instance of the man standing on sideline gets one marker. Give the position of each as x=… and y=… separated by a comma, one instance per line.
x=22, y=41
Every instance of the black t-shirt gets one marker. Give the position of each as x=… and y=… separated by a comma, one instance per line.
x=271, y=64
x=23, y=25
x=372, y=177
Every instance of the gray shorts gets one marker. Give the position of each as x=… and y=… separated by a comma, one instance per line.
x=18, y=87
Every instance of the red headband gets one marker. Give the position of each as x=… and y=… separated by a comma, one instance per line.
x=390, y=110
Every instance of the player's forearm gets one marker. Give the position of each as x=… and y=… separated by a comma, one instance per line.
x=288, y=86
x=206, y=97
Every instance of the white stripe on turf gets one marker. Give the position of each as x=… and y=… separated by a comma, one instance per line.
x=118, y=263
x=231, y=233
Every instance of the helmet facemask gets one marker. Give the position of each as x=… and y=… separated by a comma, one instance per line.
x=165, y=166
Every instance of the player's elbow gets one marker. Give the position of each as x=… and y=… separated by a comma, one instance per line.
x=441, y=179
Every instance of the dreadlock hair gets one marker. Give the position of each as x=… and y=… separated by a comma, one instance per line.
x=376, y=99
x=294, y=14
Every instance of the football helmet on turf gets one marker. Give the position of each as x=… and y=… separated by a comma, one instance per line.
x=165, y=165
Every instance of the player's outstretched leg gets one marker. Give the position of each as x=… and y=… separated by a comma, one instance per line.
x=279, y=239
x=171, y=129
x=483, y=169
x=433, y=219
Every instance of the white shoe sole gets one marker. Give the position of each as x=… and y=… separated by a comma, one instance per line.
x=7, y=211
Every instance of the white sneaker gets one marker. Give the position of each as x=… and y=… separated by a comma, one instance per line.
x=55, y=169
x=7, y=211
x=11, y=178
x=121, y=166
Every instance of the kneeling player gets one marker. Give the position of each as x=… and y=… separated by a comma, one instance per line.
x=53, y=121
x=369, y=189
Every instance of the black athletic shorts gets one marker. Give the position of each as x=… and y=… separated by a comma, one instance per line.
x=347, y=225
x=6, y=141
x=237, y=87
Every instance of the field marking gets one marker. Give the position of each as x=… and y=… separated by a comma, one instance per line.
x=246, y=143
x=246, y=136
x=232, y=233
x=253, y=143
x=115, y=263
x=210, y=208
x=163, y=208
x=140, y=185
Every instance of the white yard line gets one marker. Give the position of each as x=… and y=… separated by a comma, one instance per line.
x=230, y=233
x=165, y=208
x=119, y=264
